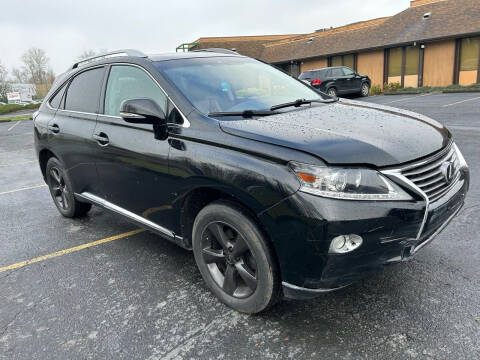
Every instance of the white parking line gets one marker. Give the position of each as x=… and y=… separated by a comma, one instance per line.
x=411, y=97
x=459, y=102
x=21, y=189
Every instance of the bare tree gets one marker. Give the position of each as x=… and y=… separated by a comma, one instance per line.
x=86, y=54
x=19, y=75
x=36, y=65
x=4, y=84
x=89, y=53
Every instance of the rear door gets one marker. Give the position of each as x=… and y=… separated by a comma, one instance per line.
x=70, y=130
x=132, y=164
x=338, y=78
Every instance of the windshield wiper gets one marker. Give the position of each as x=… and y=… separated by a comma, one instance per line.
x=300, y=102
x=245, y=113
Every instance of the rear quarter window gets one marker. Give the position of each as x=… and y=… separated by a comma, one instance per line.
x=56, y=100
x=306, y=75
x=83, y=93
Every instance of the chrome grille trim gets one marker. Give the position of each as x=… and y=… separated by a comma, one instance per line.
x=420, y=177
x=397, y=176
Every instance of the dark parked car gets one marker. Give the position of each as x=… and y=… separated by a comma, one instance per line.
x=339, y=80
x=280, y=190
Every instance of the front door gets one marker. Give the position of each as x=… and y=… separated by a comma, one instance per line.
x=132, y=164
x=70, y=131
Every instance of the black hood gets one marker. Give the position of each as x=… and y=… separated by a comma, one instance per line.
x=348, y=132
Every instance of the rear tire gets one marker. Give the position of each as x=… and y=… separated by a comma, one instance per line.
x=332, y=92
x=235, y=259
x=62, y=191
x=364, y=90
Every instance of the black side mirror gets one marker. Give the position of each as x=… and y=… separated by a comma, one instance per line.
x=142, y=111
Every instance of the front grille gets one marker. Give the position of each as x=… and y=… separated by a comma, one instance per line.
x=428, y=176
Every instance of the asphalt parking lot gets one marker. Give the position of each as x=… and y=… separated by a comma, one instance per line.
x=65, y=294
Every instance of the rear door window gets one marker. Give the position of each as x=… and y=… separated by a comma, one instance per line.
x=129, y=82
x=83, y=94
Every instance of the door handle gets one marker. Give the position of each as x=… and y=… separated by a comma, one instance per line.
x=102, y=139
x=54, y=128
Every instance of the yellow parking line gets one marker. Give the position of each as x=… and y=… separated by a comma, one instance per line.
x=21, y=189
x=68, y=251
x=459, y=102
x=19, y=163
x=11, y=127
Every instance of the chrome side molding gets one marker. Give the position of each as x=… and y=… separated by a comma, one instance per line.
x=128, y=214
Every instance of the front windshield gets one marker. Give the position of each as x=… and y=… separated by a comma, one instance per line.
x=231, y=84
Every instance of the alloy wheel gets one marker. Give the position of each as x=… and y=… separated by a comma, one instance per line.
x=229, y=260
x=332, y=92
x=365, y=89
x=59, y=188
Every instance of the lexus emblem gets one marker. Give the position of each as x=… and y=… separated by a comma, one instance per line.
x=447, y=168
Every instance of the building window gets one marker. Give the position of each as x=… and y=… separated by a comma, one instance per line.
x=403, y=65
x=469, y=52
x=395, y=62
x=411, y=60
x=467, y=61
x=344, y=60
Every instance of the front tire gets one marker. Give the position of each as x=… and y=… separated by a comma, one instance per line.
x=62, y=191
x=235, y=259
x=364, y=90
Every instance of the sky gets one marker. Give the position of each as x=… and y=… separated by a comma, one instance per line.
x=65, y=28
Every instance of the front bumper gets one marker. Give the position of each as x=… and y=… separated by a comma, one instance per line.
x=303, y=225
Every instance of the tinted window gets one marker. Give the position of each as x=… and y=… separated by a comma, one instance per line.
x=55, y=101
x=84, y=91
x=128, y=82
x=306, y=75
x=411, y=60
x=469, y=53
x=349, y=60
x=395, y=62
x=336, y=61
x=336, y=72
x=322, y=74
x=347, y=71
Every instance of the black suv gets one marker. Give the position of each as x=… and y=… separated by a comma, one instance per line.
x=339, y=80
x=279, y=189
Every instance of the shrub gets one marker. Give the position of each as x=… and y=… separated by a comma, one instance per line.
x=375, y=90
x=392, y=87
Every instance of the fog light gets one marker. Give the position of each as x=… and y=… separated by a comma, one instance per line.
x=345, y=243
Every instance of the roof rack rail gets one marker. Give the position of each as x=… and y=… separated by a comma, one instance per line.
x=218, y=50
x=126, y=52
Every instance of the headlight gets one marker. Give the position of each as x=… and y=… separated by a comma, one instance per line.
x=347, y=183
x=461, y=160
